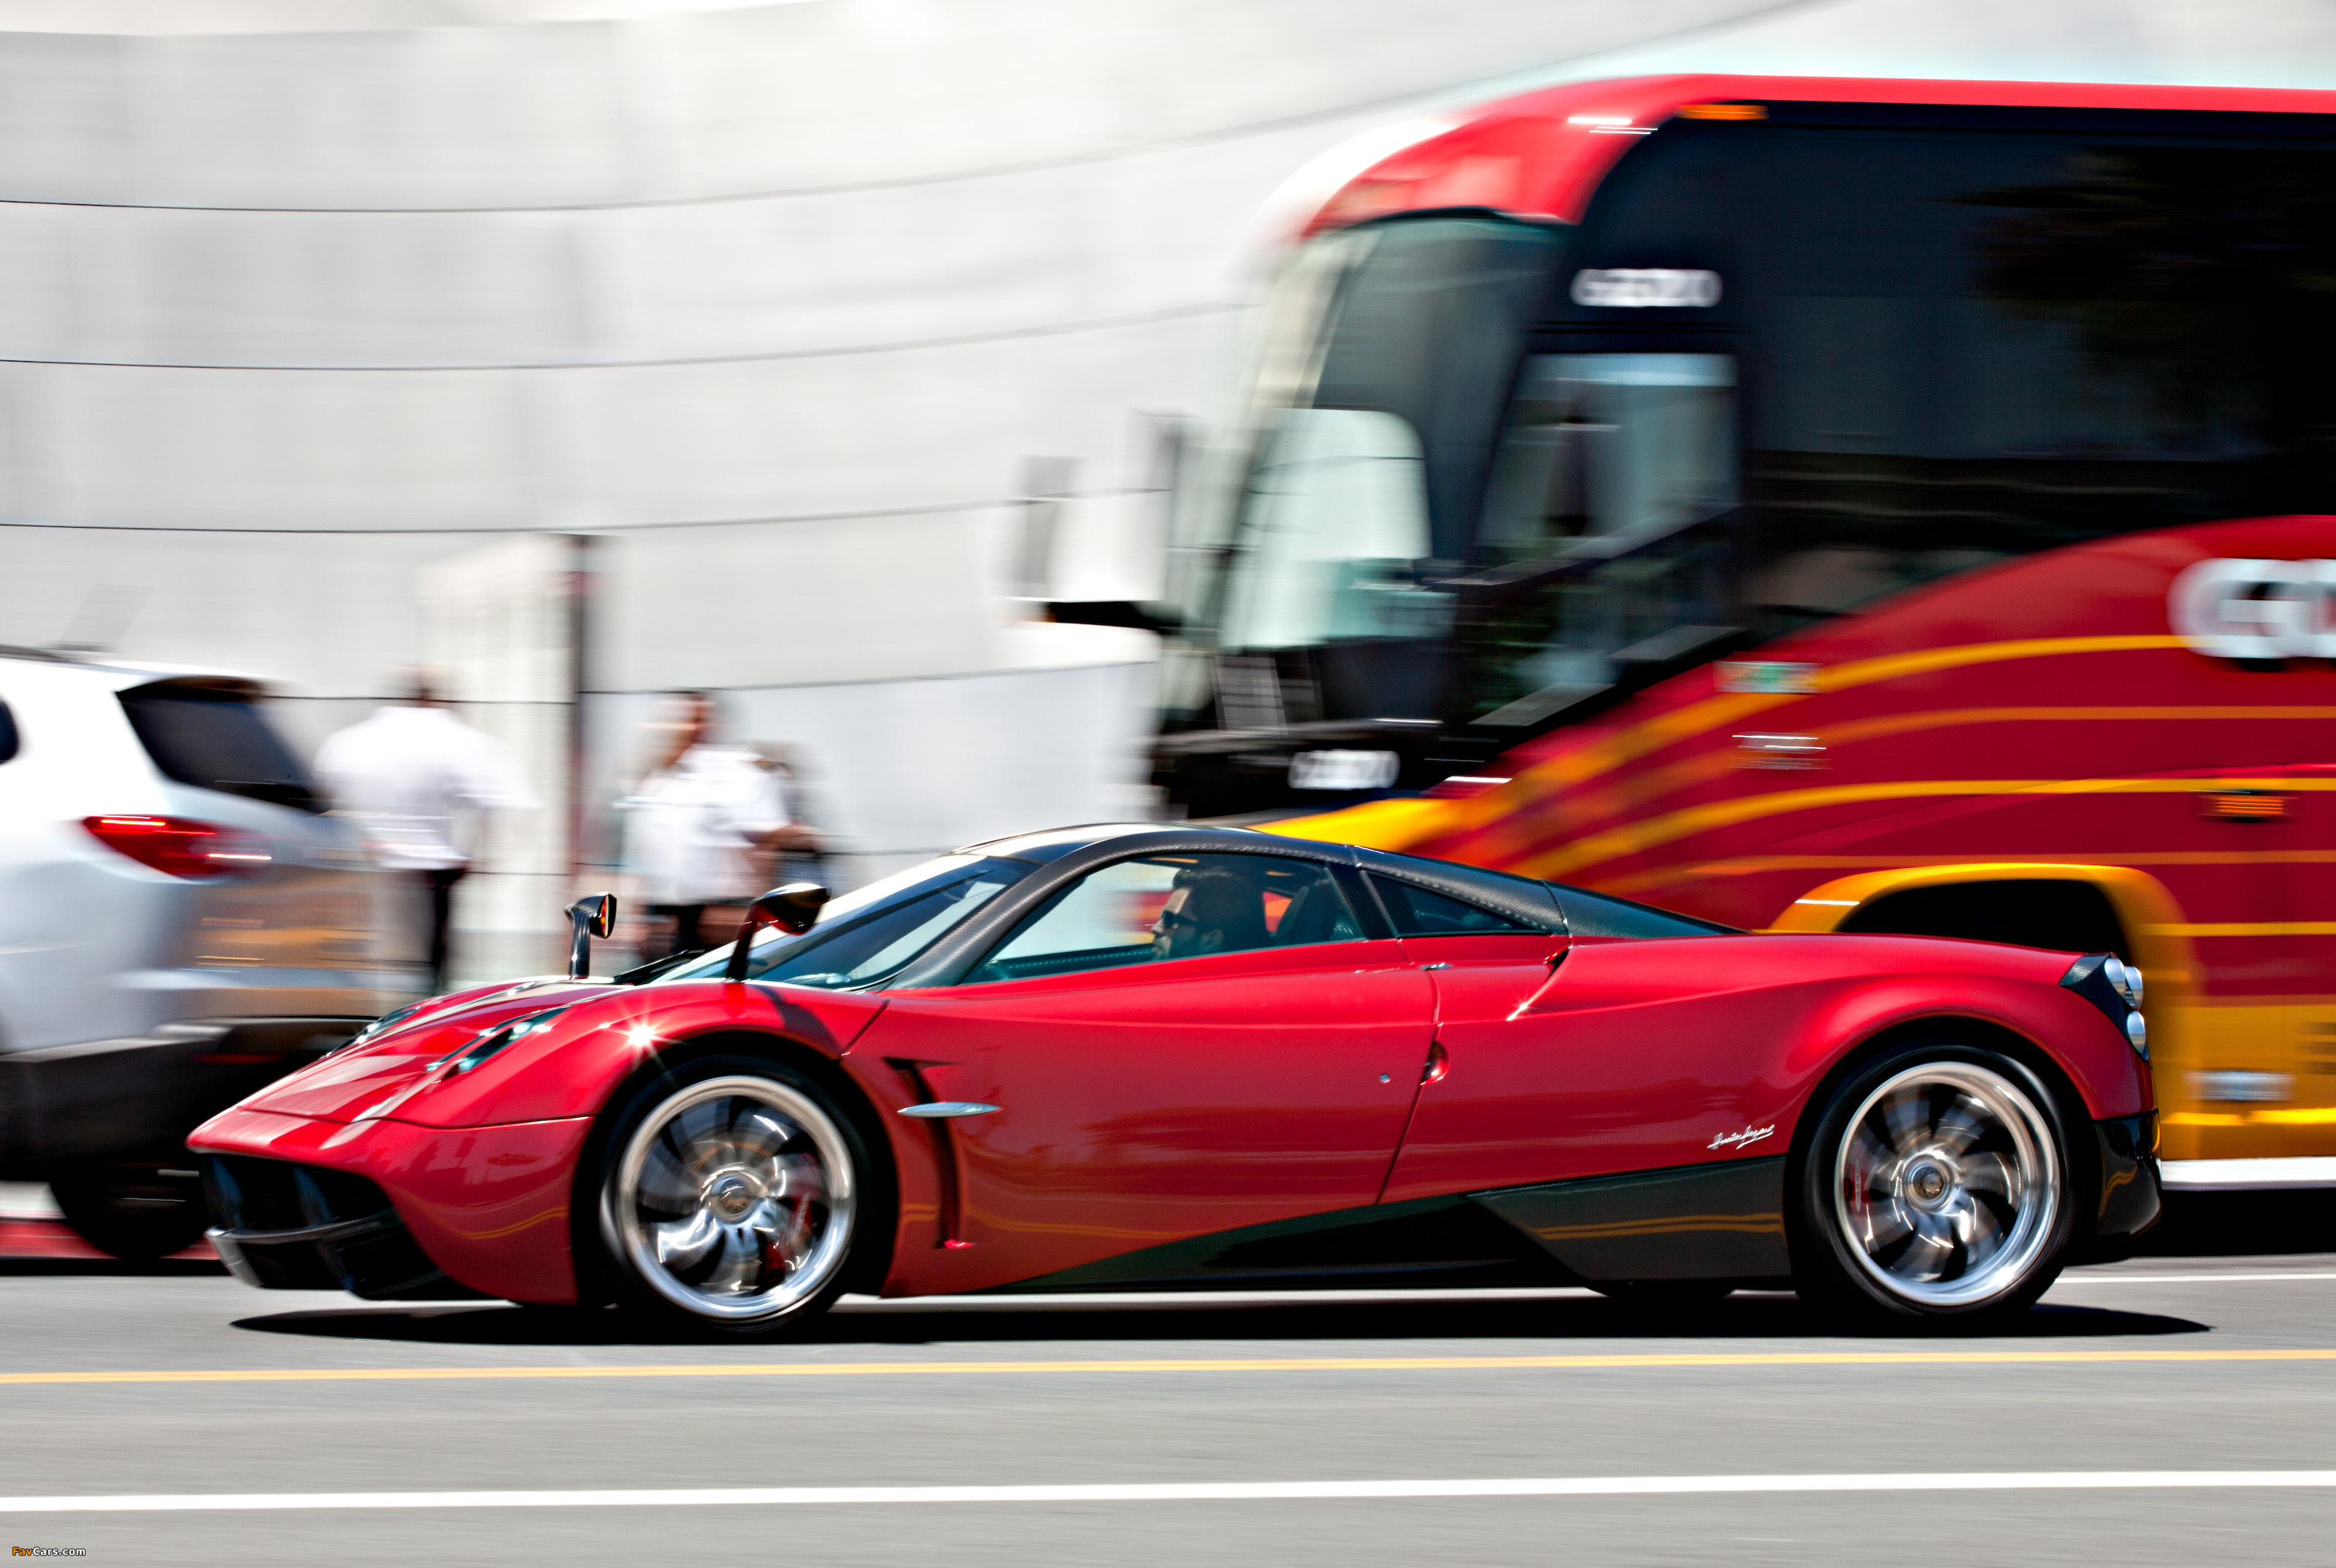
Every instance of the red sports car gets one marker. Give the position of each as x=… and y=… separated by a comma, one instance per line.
x=1128, y=1058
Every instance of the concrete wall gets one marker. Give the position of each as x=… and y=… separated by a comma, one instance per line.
x=299, y=296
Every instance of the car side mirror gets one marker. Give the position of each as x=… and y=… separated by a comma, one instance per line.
x=594, y=915
x=793, y=909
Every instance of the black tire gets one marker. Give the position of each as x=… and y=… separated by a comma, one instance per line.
x=1936, y=1188
x=762, y=1182
x=135, y=1213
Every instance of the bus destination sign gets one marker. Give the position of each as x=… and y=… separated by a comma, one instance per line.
x=1636, y=287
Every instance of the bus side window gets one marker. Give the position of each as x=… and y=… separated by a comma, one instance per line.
x=1634, y=445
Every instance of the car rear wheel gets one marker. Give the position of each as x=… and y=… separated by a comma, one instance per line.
x=728, y=1197
x=136, y=1213
x=1936, y=1187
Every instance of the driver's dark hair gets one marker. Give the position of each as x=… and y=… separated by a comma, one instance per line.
x=1221, y=900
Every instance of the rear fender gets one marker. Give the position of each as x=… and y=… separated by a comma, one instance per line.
x=2109, y=1078
x=1809, y=1000
x=2152, y=919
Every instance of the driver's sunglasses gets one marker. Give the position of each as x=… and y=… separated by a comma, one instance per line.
x=1170, y=920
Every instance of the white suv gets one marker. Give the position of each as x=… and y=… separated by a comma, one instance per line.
x=179, y=924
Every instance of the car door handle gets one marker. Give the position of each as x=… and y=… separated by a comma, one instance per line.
x=939, y=1110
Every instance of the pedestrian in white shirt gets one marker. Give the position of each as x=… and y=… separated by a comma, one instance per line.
x=701, y=826
x=419, y=784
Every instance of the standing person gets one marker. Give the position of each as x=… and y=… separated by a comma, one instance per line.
x=420, y=782
x=701, y=824
x=797, y=851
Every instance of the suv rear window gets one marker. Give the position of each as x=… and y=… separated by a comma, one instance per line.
x=217, y=740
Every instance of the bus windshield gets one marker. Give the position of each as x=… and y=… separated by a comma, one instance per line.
x=1360, y=455
x=1478, y=489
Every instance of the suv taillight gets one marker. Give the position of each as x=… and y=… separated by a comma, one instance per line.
x=182, y=848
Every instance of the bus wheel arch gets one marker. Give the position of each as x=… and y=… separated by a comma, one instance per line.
x=2118, y=909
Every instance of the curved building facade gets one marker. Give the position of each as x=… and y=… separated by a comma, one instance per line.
x=804, y=314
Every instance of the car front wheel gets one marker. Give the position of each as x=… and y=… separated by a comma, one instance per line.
x=728, y=1194
x=1936, y=1187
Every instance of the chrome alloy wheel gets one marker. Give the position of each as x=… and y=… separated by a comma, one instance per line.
x=1947, y=1186
x=733, y=1198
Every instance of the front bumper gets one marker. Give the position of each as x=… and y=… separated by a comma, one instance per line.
x=138, y=1098
x=285, y=1227
x=392, y=1210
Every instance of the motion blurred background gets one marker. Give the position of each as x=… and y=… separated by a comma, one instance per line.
x=803, y=353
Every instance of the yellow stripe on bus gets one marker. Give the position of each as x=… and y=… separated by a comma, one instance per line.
x=1633, y=839
x=1697, y=717
x=2250, y=929
x=1399, y=824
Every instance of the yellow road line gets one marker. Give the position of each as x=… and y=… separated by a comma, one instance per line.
x=1226, y=1364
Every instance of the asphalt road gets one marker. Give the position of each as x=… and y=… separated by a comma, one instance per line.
x=2217, y=1362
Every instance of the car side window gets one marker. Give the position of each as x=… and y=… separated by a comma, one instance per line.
x=1166, y=907
x=7, y=733
x=1588, y=914
x=1417, y=912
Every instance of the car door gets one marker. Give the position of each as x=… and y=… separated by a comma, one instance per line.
x=1177, y=1044
x=1610, y=1060
x=1484, y=966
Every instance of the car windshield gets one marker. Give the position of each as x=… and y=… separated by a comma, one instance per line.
x=869, y=935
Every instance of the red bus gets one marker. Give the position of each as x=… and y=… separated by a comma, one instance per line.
x=1814, y=504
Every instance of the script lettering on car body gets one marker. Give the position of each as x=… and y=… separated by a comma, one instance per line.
x=1748, y=1135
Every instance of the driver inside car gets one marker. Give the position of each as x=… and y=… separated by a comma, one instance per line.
x=1210, y=908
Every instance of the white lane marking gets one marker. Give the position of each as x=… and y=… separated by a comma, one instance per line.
x=2183, y=1279
x=1184, y=1491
